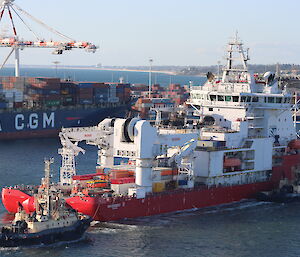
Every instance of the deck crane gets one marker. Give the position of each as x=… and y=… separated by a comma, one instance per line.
x=8, y=6
x=134, y=139
x=100, y=136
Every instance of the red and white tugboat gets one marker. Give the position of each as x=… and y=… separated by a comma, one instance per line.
x=241, y=146
x=51, y=222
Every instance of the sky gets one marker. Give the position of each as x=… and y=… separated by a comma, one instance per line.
x=172, y=32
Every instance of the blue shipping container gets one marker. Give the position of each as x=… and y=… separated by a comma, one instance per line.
x=182, y=182
x=85, y=101
x=120, y=160
x=3, y=105
x=85, y=85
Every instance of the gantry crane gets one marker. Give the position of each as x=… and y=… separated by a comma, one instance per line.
x=15, y=44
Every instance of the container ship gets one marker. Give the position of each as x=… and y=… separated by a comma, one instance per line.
x=244, y=142
x=33, y=107
x=40, y=107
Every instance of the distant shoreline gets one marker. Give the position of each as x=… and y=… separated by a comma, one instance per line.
x=173, y=73
x=116, y=69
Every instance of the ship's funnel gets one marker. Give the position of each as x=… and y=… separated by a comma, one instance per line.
x=210, y=76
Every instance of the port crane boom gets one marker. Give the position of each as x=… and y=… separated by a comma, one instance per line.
x=16, y=44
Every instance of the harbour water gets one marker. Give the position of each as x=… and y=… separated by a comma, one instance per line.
x=247, y=228
x=105, y=75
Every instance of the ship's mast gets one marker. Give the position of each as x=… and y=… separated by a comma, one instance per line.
x=235, y=47
x=48, y=163
x=150, y=76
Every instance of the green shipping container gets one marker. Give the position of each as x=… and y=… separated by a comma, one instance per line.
x=52, y=103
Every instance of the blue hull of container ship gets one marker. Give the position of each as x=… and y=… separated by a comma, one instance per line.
x=47, y=123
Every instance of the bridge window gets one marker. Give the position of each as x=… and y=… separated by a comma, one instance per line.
x=271, y=100
x=235, y=98
x=278, y=100
x=248, y=99
x=227, y=98
x=243, y=98
x=213, y=97
x=254, y=99
x=220, y=98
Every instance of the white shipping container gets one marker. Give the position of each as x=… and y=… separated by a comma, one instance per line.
x=9, y=94
x=19, y=95
x=121, y=188
x=18, y=99
x=9, y=99
x=138, y=192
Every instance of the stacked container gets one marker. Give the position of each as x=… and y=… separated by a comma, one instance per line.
x=44, y=91
x=3, y=103
x=85, y=93
x=39, y=92
x=101, y=93
x=68, y=92
x=123, y=92
x=177, y=93
x=11, y=90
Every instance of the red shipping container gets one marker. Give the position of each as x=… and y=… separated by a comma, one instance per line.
x=18, y=104
x=84, y=177
x=123, y=180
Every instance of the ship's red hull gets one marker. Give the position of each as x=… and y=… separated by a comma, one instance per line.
x=116, y=208
x=29, y=134
x=12, y=198
x=127, y=207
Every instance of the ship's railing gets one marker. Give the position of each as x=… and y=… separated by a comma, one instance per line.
x=80, y=129
x=166, y=130
x=246, y=177
x=61, y=107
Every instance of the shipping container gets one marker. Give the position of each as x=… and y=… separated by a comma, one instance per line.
x=182, y=182
x=114, y=174
x=85, y=101
x=82, y=85
x=128, y=180
x=18, y=104
x=3, y=105
x=52, y=102
x=158, y=187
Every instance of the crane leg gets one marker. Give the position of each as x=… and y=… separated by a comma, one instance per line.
x=17, y=61
x=13, y=49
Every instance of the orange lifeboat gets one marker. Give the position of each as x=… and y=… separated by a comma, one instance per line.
x=232, y=162
x=294, y=144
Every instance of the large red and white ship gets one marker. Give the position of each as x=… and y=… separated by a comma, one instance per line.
x=245, y=143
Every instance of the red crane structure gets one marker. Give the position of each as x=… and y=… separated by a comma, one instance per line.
x=15, y=44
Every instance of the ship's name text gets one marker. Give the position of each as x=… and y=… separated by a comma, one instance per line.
x=34, y=120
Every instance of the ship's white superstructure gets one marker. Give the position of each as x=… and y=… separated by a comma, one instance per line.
x=246, y=126
x=252, y=117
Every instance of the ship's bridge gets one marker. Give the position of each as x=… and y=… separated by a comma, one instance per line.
x=225, y=99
